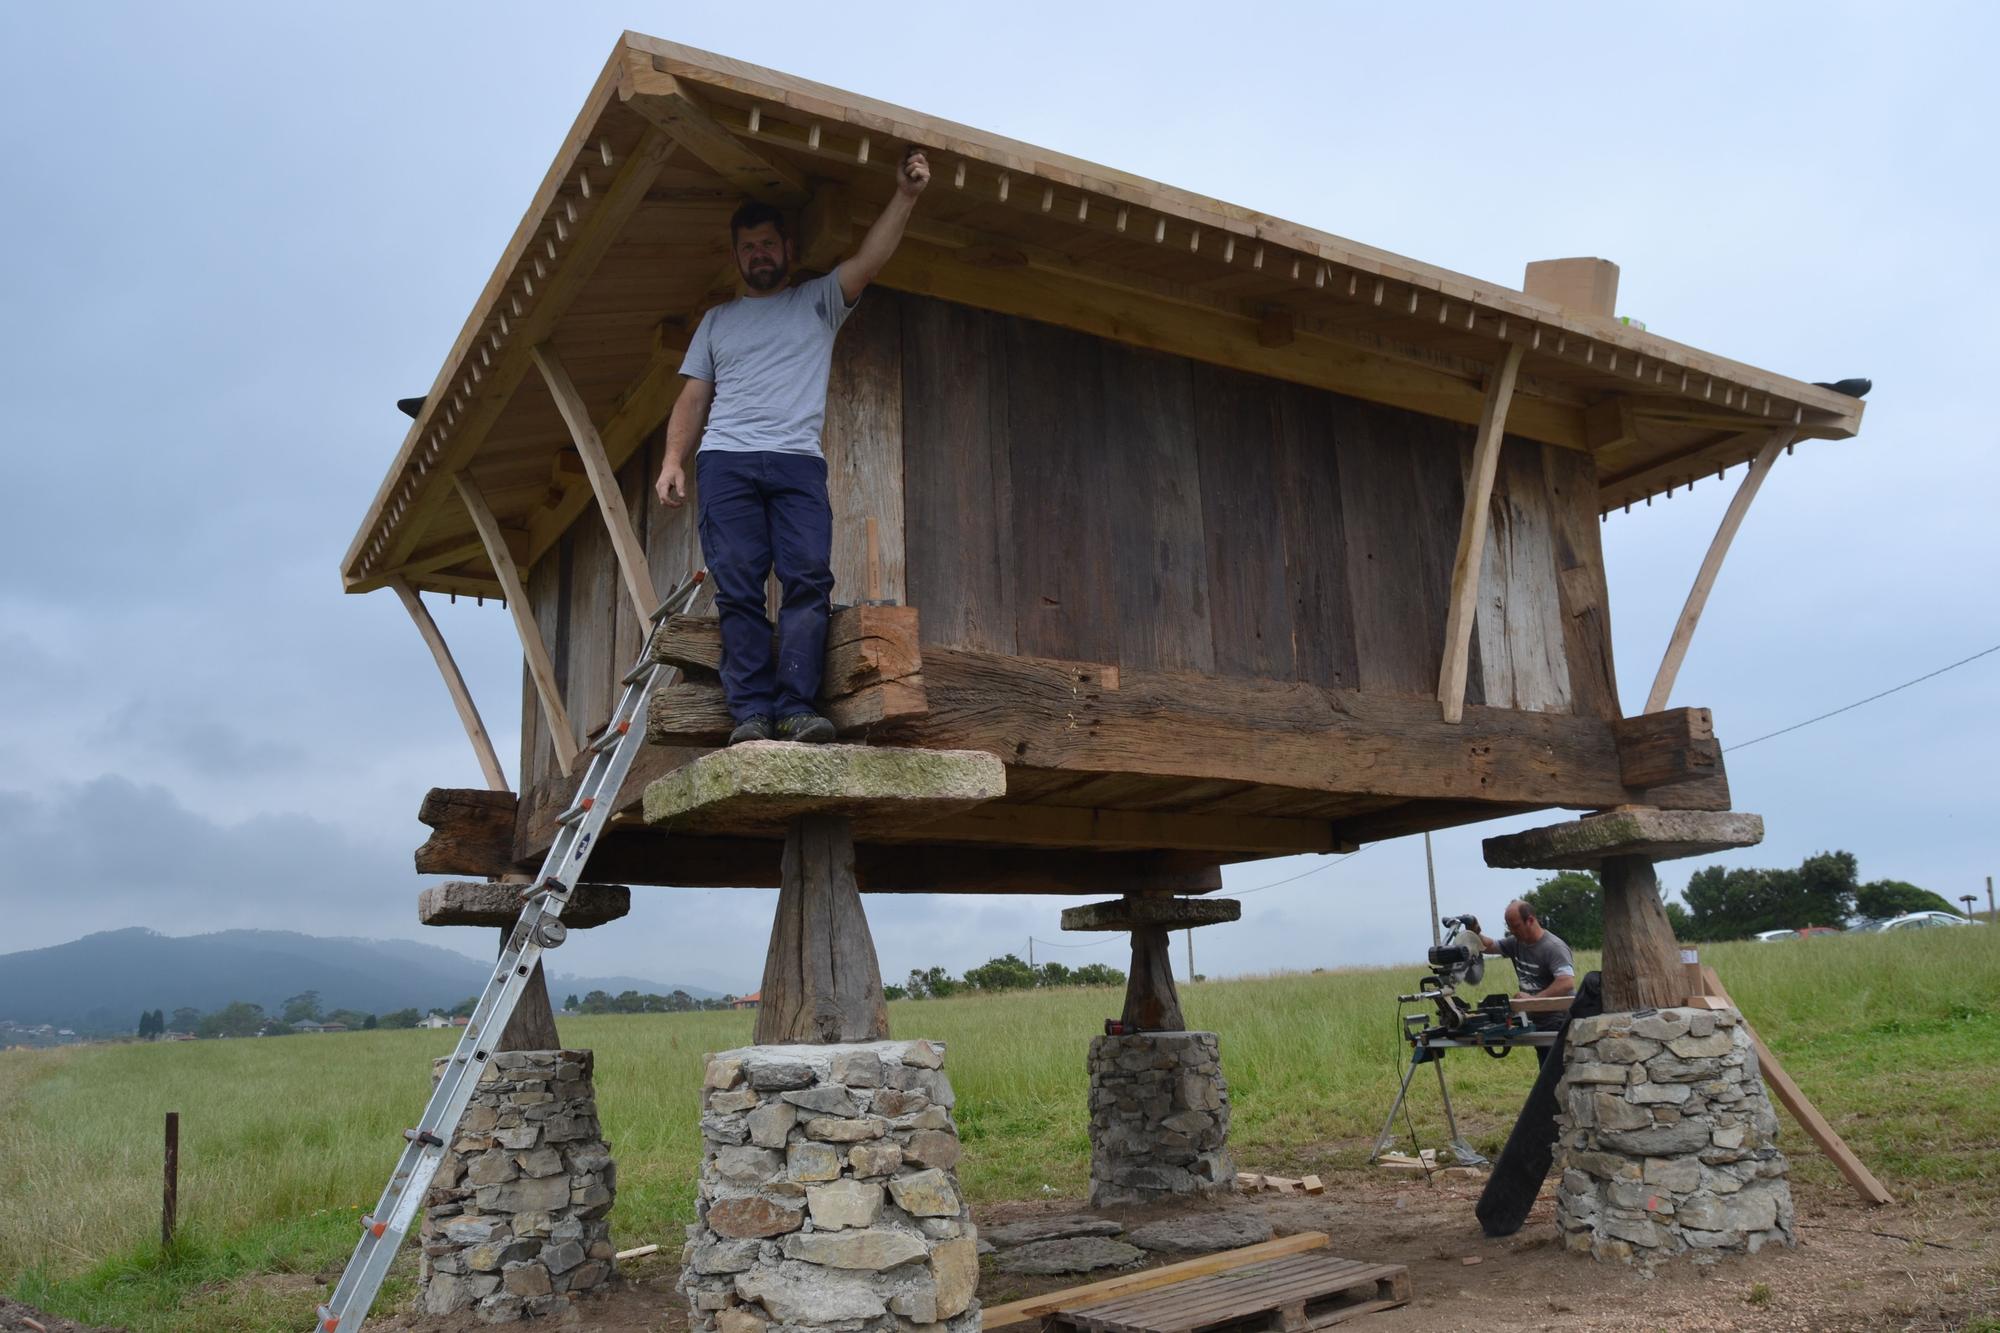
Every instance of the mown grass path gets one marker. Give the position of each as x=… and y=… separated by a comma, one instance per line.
x=284, y=1142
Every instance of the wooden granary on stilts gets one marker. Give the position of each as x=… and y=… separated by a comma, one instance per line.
x=1170, y=535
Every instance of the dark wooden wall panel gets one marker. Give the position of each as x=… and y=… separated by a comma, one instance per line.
x=1250, y=607
x=1312, y=519
x=1152, y=487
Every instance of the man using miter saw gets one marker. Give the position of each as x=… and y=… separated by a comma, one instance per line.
x=1541, y=960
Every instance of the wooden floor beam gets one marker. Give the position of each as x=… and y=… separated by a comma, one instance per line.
x=1711, y=565
x=625, y=544
x=1472, y=535
x=540, y=668
x=454, y=684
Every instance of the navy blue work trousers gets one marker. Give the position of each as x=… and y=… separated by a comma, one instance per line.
x=760, y=511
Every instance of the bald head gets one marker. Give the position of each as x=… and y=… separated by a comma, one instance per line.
x=1522, y=923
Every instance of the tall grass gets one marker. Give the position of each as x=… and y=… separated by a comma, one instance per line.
x=284, y=1142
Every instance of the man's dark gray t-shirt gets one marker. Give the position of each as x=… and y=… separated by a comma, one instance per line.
x=1540, y=963
x=768, y=357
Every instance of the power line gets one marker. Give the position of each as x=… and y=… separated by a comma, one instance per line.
x=1324, y=865
x=1869, y=700
x=1094, y=944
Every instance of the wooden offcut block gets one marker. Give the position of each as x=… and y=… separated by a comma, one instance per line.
x=1587, y=286
x=1660, y=749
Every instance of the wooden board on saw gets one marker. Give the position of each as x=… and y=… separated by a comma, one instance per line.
x=1301, y=1291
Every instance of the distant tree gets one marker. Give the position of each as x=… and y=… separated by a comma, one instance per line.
x=1892, y=897
x=1683, y=924
x=891, y=991
x=1732, y=904
x=301, y=1008
x=368, y=1024
x=146, y=1026
x=464, y=1008
x=628, y=1002
x=1006, y=972
x=401, y=1018
x=597, y=1002
x=351, y=1019
x=1097, y=974
x=569, y=1003
x=235, y=1019
x=940, y=984
x=1054, y=974
x=914, y=985
x=1571, y=904
x=184, y=1020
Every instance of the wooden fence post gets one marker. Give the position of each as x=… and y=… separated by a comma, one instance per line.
x=170, y=1195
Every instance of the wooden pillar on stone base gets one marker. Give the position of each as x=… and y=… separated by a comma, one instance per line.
x=822, y=982
x=532, y=1027
x=1641, y=967
x=1152, y=1002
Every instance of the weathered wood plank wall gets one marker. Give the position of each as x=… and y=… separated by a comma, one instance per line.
x=1043, y=492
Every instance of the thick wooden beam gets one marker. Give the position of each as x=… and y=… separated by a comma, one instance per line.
x=603, y=476
x=1642, y=968
x=540, y=668
x=1004, y=823
x=472, y=832
x=1472, y=535
x=454, y=684
x=675, y=109
x=1661, y=749
x=1711, y=565
x=822, y=983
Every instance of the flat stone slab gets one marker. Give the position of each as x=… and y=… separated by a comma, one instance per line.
x=1076, y=1254
x=1659, y=835
x=1049, y=1228
x=1166, y=913
x=759, y=788
x=1203, y=1233
x=482, y=902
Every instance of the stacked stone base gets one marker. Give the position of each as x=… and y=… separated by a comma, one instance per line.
x=1159, y=1118
x=515, y=1223
x=829, y=1196
x=1668, y=1142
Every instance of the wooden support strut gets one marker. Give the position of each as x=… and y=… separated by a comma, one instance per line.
x=454, y=684
x=540, y=668
x=1711, y=564
x=822, y=982
x=603, y=480
x=1472, y=535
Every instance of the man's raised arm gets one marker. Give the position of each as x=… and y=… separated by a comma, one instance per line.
x=859, y=269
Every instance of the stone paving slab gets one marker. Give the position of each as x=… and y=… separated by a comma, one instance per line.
x=1049, y=1228
x=1074, y=1254
x=758, y=789
x=1660, y=835
x=1203, y=1233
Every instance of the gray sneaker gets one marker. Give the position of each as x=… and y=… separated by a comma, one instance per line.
x=757, y=728
x=810, y=728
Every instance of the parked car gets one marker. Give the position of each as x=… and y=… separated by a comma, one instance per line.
x=1769, y=935
x=1807, y=932
x=1924, y=920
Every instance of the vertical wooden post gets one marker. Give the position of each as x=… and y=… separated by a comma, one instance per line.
x=1642, y=968
x=1152, y=1004
x=532, y=1025
x=822, y=983
x=1472, y=535
x=1711, y=565
x=170, y=1194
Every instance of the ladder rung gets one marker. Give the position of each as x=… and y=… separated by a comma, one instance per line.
x=639, y=672
x=328, y=1320
x=374, y=1228
x=424, y=1137
x=577, y=811
x=612, y=735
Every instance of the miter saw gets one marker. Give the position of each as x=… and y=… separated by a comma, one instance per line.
x=1491, y=1025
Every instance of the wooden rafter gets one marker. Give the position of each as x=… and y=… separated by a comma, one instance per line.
x=540, y=668
x=454, y=684
x=1472, y=536
x=603, y=480
x=1711, y=565
x=677, y=112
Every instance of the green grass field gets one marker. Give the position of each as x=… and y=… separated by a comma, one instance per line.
x=284, y=1142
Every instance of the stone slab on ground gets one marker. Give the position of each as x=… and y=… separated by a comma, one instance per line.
x=1203, y=1233
x=1050, y=1228
x=758, y=789
x=482, y=902
x=1073, y=1254
x=1659, y=835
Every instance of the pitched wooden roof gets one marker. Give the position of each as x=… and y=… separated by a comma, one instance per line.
x=625, y=243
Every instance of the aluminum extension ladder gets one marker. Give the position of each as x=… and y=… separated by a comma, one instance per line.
x=540, y=928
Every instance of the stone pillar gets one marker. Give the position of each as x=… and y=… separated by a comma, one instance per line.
x=515, y=1224
x=1668, y=1142
x=828, y=1195
x=1159, y=1118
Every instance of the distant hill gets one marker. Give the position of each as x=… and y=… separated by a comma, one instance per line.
x=102, y=982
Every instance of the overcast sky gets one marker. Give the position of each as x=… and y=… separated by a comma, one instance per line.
x=236, y=234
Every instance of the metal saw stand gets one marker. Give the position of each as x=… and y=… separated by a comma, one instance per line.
x=1430, y=1048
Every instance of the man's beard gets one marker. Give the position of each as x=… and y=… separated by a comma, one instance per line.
x=765, y=277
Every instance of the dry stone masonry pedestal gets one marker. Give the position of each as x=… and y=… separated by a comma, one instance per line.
x=515, y=1223
x=1668, y=1143
x=1159, y=1118
x=829, y=1196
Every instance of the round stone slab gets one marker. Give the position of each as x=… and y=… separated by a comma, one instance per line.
x=484, y=903
x=1075, y=1254
x=1165, y=913
x=1658, y=835
x=759, y=788
x=1049, y=1228
x=1203, y=1233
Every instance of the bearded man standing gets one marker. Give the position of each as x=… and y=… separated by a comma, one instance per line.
x=754, y=398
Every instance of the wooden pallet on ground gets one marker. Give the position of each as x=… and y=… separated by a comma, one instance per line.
x=1289, y=1295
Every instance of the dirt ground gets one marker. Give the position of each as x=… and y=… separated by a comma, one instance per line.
x=1854, y=1268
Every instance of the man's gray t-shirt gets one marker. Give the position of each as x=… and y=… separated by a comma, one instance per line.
x=1540, y=963
x=768, y=358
